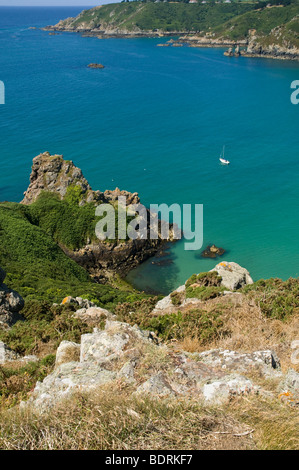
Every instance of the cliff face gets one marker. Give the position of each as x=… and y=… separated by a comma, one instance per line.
x=51, y=173
x=54, y=174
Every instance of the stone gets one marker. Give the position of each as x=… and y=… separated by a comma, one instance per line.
x=125, y=352
x=212, y=252
x=233, y=275
x=11, y=303
x=127, y=371
x=220, y=391
x=93, y=315
x=266, y=360
x=165, y=305
x=156, y=385
x=67, y=351
x=96, y=66
x=6, y=354
x=290, y=383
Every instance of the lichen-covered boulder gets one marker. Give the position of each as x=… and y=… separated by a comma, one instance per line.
x=93, y=315
x=233, y=275
x=6, y=354
x=219, y=391
x=68, y=351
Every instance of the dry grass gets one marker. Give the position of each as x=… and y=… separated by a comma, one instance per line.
x=276, y=424
x=116, y=420
x=247, y=329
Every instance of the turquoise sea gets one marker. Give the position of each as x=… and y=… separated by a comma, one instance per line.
x=154, y=121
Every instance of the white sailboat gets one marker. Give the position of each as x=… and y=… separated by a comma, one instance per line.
x=222, y=159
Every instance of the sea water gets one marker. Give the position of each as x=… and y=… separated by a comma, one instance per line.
x=154, y=120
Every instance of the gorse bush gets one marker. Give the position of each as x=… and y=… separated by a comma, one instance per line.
x=277, y=299
x=36, y=266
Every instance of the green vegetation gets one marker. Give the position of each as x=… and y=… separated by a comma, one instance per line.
x=229, y=21
x=17, y=379
x=161, y=16
x=36, y=266
x=196, y=323
x=263, y=21
x=277, y=299
x=46, y=327
x=204, y=286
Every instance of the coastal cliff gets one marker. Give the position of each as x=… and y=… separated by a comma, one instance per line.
x=259, y=29
x=51, y=174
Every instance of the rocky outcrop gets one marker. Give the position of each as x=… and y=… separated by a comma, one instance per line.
x=93, y=315
x=96, y=66
x=126, y=353
x=51, y=173
x=233, y=275
x=11, y=303
x=230, y=275
x=212, y=251
x=54, y=174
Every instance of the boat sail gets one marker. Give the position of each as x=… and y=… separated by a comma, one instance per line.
x=222, y=159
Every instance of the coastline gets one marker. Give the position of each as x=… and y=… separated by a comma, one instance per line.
x=253, y=49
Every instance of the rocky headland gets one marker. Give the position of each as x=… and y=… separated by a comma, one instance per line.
x=53, y=174
x=268, y=32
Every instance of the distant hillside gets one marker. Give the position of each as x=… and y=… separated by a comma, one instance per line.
x=144, y=17
x=260, y=28
x=275, y=24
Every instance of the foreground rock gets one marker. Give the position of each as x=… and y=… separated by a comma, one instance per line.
x=121, y=352
x=11, y=303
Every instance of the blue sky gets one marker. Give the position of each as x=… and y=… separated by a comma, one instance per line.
x=83, y=3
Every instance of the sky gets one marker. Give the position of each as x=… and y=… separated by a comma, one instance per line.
x=55, y=3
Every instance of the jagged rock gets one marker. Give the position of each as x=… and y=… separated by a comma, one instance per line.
x=93, y=315
x=166, y=305
x=112, y=196
x=27, y=359
x=11, y=303
x=221, y=390
x=6, y=354
x=53, y=173
x=67, y=351
x=66, y=379
x=121, y=351
x=233, y=275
